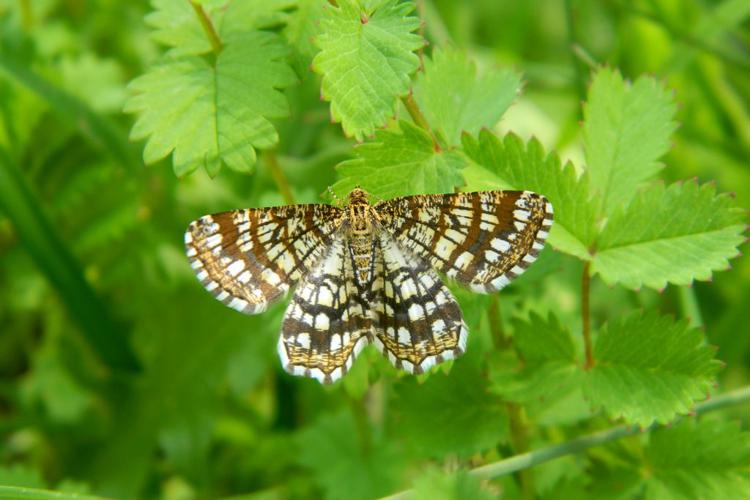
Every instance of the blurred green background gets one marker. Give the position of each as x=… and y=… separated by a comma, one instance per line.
x=189, y=400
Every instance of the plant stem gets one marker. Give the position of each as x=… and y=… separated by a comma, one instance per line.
x=580, y=75
x=21, y=492
x=499, y=340
x=435, y=25
x=416, y=114
x=520, y=442
x=27, y=17
x=586, y=315
x=532, y=458
x=690, y=307
x=279, y=177
x=362, y=423
x=208, y=26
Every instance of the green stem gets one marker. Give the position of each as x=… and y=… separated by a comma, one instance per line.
x=434, y=23
x=416, y=114
x=362, y=423
x=39, y=236
x=499, y=340
x=279, y=177
x=19, y=493
x=577, y=445
x=27, y=16
x=690, y=307
x=581, y=75
x=208, y=26
x=586, y=315
x=520, y=442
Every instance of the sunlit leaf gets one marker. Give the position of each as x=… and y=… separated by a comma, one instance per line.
x=649, y=368
x=670, y=235
x=366, y=57
x=627, y=128
x=454, y=99
x=212, y=114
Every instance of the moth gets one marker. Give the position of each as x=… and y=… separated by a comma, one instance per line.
x=367, y=273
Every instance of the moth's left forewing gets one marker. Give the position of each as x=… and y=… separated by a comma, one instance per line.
x=250, y=258
x=482, y=240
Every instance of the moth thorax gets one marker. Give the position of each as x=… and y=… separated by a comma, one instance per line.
x=360, y=218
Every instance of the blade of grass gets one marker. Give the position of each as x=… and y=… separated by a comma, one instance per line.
x=98, y=130
x=20, y=493
x=38, y=235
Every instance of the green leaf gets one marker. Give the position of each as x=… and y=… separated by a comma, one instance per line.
x=509, y=164
x=649, y=368
x=455, y=100
x=399, y=163
x=98, y=82
x=333, y=450
x=21, y=475
x=176, y=401
x=177, y=25
x=302, y=28
x=23, y=493
x=454, y=413
x=436, y=485
x=211, y=115
x=627, y=128
x=366, y=57
x=704, y=459
x=549, y=362
x=41, y=239
x=95, y=128
x=670, y=235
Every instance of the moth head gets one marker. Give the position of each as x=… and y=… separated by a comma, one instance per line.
x=358, y=195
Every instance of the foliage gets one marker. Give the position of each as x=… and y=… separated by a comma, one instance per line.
x=121, y=378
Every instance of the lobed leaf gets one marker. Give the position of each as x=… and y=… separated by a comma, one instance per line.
x=703, y=459
x=436, y=485
x=333, y=449
x=509, y=164
x=549, y=364
x=670, y=235
x=302, y=28
x=649, y=368
x=217, y=114
x=177, y=26
x=454, y=99
x=399, y=163
x=452, y=413
x=627, y=128
x=366, y=57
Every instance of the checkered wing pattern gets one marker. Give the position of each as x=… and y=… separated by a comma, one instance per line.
x=482, y=240
x=418, y=322
x=328, y=321
x=249, y=258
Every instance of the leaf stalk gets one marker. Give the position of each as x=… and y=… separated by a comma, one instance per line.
x=586, y=315
x=416, y=114
x=279, y=177
x=208, y=27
